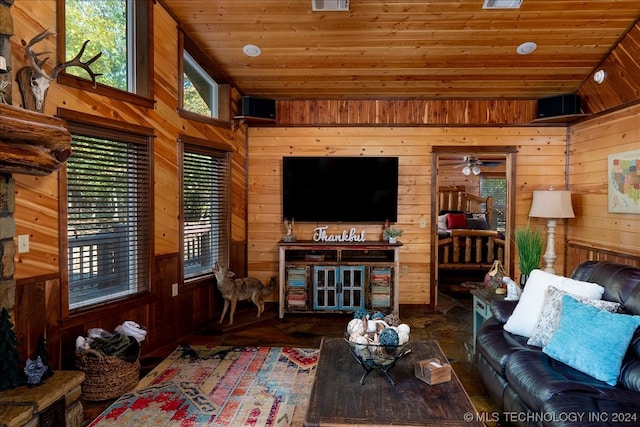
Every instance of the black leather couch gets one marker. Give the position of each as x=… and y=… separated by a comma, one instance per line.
x=532, y=389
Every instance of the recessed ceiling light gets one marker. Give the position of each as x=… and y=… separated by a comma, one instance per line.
x=599, y=76
x=526, y=48
x=251, y=50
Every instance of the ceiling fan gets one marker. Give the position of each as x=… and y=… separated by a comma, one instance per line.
x=469, y=165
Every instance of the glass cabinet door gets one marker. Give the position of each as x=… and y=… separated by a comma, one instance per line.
x=325, y=288
x=353, y=280
x=338, y=288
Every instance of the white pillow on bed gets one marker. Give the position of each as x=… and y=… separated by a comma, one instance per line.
x=527, y=313
x=442, y=222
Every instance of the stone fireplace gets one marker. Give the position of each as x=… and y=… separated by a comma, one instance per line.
x=7, y=244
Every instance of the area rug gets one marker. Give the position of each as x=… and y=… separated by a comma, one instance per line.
x=220, y=386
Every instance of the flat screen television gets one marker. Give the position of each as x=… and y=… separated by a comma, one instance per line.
x=340, y=189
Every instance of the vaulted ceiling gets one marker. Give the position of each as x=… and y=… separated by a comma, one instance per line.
x=404, y=48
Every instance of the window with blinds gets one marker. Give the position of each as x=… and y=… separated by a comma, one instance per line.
x=108, y=219
x=205, y=181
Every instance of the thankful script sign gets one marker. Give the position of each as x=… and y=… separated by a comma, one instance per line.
x=320, y=235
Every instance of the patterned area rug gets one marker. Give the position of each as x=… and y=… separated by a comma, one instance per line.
x=220, y=386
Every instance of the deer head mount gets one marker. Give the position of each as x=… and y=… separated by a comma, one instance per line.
x=33, y=81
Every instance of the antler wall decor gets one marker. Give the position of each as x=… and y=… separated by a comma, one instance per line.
x=33, y=81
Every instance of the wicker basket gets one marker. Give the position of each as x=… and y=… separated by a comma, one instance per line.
x=106, y=377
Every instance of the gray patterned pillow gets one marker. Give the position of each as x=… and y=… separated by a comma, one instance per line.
x=551, y=314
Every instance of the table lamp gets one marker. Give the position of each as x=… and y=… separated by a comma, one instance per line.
x=553, y=205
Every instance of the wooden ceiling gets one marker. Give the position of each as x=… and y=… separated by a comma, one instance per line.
x=404, y=48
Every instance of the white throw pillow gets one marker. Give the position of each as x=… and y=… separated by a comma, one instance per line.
x=442, y=222
x=527, y=313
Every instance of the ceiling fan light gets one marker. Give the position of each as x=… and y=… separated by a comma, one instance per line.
x=476, y=170
x=466, y=170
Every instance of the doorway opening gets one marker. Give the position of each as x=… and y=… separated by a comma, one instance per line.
x=477, y=184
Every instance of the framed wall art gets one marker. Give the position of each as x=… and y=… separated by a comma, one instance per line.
x=624, y=182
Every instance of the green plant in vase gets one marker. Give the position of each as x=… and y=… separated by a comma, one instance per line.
x=529, y=242
x=391, y=234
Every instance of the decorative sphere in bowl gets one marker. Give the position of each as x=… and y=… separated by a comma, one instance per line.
x=377, y=340
x=375, y=354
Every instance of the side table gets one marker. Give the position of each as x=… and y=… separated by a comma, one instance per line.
x=481, y=310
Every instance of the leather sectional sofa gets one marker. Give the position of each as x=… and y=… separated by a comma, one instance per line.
x=534, y=389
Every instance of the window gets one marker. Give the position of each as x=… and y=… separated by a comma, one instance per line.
x=199, y=91
x=108, y=215
x=205, y=199
x=496, y=187
x=120, y=29
x=204, y=88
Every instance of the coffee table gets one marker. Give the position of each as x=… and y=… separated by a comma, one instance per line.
x=338, y=398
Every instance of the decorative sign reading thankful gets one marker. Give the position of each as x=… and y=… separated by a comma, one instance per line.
x=320, y=235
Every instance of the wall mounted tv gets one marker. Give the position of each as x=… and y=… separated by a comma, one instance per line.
x=340, y=189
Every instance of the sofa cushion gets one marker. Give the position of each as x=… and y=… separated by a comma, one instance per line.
x=551, y=314
x=630, y=374
x=527, y=313
x=630, y=370
x=536, y=377
x=579, y=410
x=501, y=310
x=591, y=340
x=621, y=282
x=496, y=345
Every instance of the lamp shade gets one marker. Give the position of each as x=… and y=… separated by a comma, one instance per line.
x=551, y=204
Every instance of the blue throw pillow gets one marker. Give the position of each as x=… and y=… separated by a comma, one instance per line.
x=591, y=340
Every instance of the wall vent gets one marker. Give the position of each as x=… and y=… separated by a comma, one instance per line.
x=330, y=5
x=501, y=4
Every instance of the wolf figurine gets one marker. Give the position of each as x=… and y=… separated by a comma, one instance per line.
x=242, y=289
x=513, y=289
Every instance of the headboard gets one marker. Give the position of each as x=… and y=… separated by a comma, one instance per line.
x=454, y=198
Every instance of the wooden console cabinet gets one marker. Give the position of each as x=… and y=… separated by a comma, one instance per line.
x=338, y=277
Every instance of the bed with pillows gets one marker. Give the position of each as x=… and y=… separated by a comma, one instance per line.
x=568, y=352
x=465, y=238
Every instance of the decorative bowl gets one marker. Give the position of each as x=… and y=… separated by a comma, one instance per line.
x=377, y=355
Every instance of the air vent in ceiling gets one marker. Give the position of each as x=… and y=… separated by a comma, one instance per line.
x=330, y=5
x=501, y=4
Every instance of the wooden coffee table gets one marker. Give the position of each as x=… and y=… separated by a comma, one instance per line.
x=338, y=398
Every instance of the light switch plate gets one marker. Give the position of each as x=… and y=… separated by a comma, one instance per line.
x=23, y=243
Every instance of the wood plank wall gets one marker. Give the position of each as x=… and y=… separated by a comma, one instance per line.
x=541, y=161
x=38, y=271
x=590, y=143
x=405, y=112
x=539, y=164
x=404, y=128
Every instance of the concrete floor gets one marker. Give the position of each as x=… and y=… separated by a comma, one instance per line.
x=451, y=325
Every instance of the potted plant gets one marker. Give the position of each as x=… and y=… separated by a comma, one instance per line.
x=391, y=234
x=529, y=242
